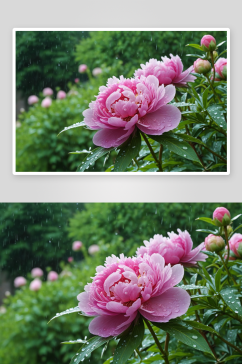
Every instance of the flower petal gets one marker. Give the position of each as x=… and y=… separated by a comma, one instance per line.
x=110, y=325
x=164, y=119
x=175, y=302
x=108, y=138
x=84, y=305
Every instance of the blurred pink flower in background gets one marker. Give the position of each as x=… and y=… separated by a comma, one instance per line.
x=168, y=71
x=82, y=68
x=76, y=80
x=46, y=102
x=52, y=276
x=96, y=71
x=70, y=259
x=126, y=103
x=175, y=249
x=36, y=272
x=214, y=243
x=19, y=281
x=124, y=287
x=221, y=67
x=33, y=99
x=235, y=244
x=208, y=43
x=93, y=249
x=61, y=95
x=35, y=285
x=47, y=91
x=77, y=245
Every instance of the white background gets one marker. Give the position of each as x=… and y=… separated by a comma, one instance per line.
x=118, y=14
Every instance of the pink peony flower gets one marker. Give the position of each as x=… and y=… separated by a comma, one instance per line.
x=47, y=91
x=221, y=68
x=126, y=287
x=35, y=285
x=33, y=99
x=235, y=244
x=36, y=272
x=76, y=80
x=96, y=71
x=214, y=243
x=70, y=259
x=19, y=282
x=221, y=216
x=168, y=71
x=129, y=103
x=82, y=68
x=52, y=276
x=93, y=249
x=175, y=249
x=202, y=66
x=208, y=43
x=61, y=95
x=46, y=102
x=77, y=245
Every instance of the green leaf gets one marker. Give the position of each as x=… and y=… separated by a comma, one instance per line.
x=236, y=217
x=197, y=46
x=84, y=151
x=217, y=114
x=221, y=43
x=129, y=342
x=231, y=357
x=199, y=326
x=206, y=219
x=207, y=231
x=174, y=145
x=66, y=312
x=73, y=126
x=78, y=341
x=218, y=279
x=190, y=138
x=91, y=159
x=92, y=344
x=190, y=286
x=238, y=227
x=191, y=337
x=205, y=98
x=231, y=297
x=181, y=104
x=128, y=151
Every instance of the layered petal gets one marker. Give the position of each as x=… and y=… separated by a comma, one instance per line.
x=107, y=138
x=106, y=326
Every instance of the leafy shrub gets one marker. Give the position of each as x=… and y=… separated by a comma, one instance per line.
x=25, y=335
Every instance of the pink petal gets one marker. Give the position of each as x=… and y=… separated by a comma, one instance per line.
x=84, y=305
x=88, y=119
x=175, y=301
x=117, y=122
x=160, y=121
x=108, y=138
x=135, y=306
x=170, y=92
x=112, y=98
x=110, y=325
x=192, y=254
x=131, y=122
x=112, y=278
x=116, y=307
x=176, y=277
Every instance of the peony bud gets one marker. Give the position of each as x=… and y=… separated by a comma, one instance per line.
x=36, y=272
x=229, y=230
x=47, y=91
x=221, y=216
x=35, y=285
x=214, y=243
x=46, y=102
x=93, y=249
x=76, y=80
x=61, y=95
x=52, y=276
x=32, y=99
x=202, y=66
x=235, y=244
x=221, y=68
x=70, y=259
x=82, y=68
x=208, y=43
x=19, y=282
x=76, y=246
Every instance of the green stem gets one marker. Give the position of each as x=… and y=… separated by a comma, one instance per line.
x=193, y=147
x=227, y=242
x=138, y=352
x=212, y=60
x=214, y=153
x=136, y=162
x=160, y=155
x=163, y=353
x=167, y=343
x=225, y=266
x=151, y=151
x=214, y=93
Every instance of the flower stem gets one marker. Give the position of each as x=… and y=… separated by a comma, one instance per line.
x=167, y=343
x=227, y=242
x=225, y=266
x=214, y=93
x=151, y=151
x=163, y=353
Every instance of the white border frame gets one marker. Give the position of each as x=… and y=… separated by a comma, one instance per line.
x=115, y=173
